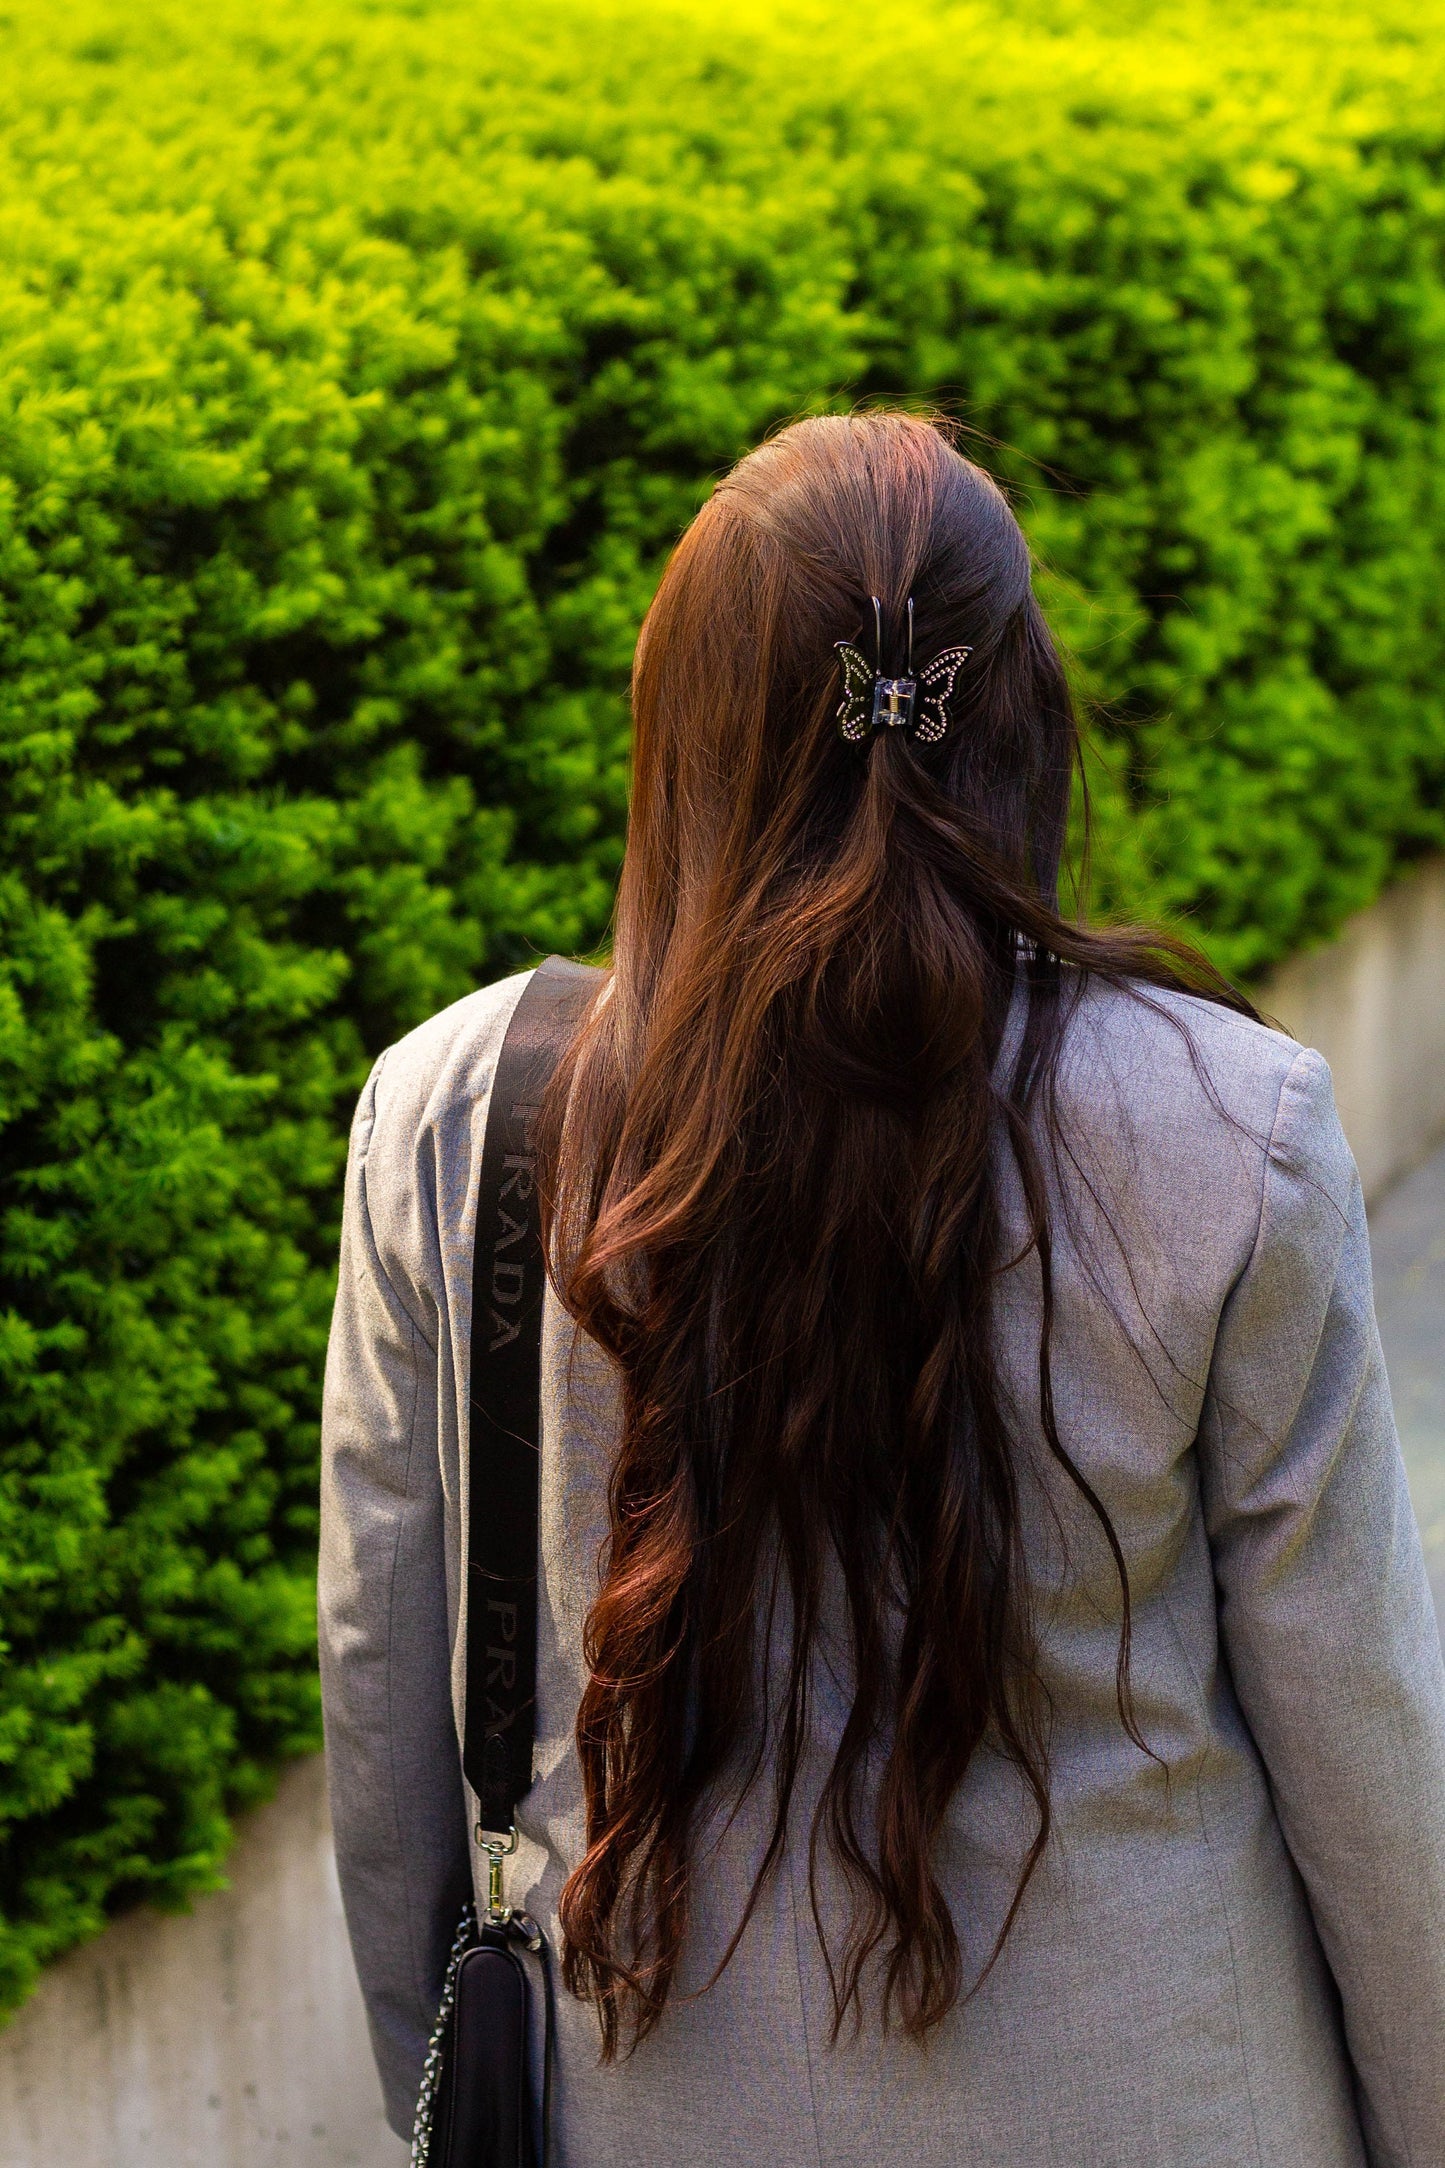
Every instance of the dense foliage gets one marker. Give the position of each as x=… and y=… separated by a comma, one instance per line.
x=358, y=362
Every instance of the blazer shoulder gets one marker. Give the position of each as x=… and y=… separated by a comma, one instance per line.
x=1183, y=1064
x=1183, y=1106
x=416, y=1142
x=441, y=1073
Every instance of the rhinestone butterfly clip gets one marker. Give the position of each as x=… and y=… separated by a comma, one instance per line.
x=872, y=701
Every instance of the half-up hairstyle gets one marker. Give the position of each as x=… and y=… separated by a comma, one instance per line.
x=774, y=1201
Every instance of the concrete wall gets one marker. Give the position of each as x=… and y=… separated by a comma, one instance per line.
x=233, y=2037
x=228, y=2037
x=1373, y=1002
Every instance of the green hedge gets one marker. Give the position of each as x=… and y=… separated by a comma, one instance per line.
x=358, y=363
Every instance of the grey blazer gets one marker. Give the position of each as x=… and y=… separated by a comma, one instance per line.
x=1237, y=1957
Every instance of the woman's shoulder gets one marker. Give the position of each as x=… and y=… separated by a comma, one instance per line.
x=437, y=1077
x=1178, y=1043
x=418, y=1129
x=1194, y=1101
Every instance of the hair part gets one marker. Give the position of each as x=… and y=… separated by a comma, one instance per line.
x=786, y=1114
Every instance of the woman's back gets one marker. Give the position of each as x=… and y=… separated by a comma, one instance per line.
x=1163, y=1996
x=989, y=1704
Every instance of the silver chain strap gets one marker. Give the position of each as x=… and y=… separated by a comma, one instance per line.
x=431, y=2076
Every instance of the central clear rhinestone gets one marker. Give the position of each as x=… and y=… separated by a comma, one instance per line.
x=893, y=702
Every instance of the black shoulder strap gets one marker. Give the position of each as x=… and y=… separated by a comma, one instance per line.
x=504, y=1450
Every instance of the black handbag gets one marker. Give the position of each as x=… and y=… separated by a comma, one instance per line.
x=475, y=2107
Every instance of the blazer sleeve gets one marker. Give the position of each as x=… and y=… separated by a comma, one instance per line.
x=391, y=1750
x=1326, y=1613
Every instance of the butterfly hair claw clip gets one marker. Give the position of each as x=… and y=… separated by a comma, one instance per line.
x=872, y=701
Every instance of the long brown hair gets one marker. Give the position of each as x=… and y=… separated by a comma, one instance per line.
x=775, y=1202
